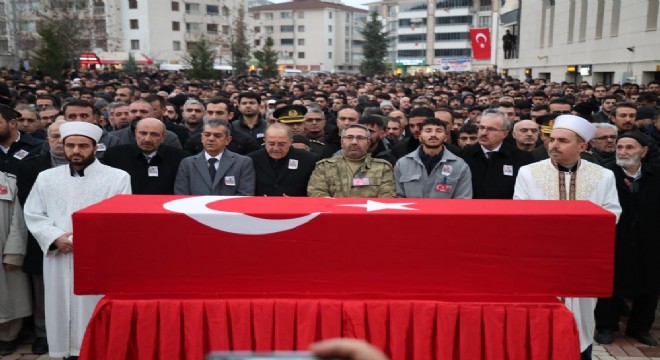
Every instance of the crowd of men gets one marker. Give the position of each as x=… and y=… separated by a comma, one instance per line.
x=448, y=136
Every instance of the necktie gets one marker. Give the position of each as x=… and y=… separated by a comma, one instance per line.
x=148, y=158
x=212, y=170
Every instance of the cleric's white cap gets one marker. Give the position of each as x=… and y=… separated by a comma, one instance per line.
x=81, y=128
x=576, y=124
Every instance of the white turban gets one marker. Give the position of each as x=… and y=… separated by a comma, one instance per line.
x=81, y=128
x=576, y=124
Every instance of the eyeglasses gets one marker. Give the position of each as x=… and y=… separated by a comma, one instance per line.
x=606, y=137
x=489, y=129
x=359, y=138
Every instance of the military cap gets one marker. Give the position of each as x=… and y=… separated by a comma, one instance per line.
x=546, y=122
x=290, y=114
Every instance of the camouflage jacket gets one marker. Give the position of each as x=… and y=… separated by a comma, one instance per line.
x=331, y=178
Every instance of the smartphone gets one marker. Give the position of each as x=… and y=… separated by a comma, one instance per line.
x=276, y=355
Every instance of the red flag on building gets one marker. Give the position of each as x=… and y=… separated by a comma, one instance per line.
x=480, y=43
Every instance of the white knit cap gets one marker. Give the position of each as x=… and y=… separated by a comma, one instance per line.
x=576, y=124
x=81, y=128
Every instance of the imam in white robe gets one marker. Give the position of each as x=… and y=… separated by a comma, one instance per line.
x=56, y=195
x=540, y=181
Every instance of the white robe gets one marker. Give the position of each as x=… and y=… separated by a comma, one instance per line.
x=540, y=181
x=56, y=195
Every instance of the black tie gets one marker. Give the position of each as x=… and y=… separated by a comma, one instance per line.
x=212, y=170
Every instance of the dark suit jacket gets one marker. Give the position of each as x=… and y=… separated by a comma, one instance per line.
x=489, y=180
x=279, y=179
x=131, y=159
x=29, y=169
x=193, y=177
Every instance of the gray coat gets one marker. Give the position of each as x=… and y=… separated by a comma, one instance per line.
x=14, y=286
x=449, y=179
x=235, y=176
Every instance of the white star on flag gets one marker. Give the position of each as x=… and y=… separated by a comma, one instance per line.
x=376, y=205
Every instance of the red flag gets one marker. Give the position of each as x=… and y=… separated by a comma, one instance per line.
x=480, y=43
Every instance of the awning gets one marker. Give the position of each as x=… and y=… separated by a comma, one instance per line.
x=114, y=58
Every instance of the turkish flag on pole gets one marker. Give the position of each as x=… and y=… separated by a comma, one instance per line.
x=480, y=43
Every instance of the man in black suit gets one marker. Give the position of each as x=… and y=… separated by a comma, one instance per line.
x=152, y=165
x=494, y=163
x=280, y=169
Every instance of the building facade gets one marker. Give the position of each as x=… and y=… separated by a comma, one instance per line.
x=426, y=33
x=599, y=41
x=311, y=35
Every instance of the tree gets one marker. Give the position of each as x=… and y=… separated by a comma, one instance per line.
x=374, y=48
x=200, y=59
x=50, y=56
x=240, y=48
x=131, y=66
x=267, y=58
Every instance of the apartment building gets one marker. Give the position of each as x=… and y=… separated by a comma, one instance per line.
x=311, y=35
x=425, y=33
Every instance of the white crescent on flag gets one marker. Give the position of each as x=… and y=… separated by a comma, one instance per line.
x=232, y=222
x=481, y=35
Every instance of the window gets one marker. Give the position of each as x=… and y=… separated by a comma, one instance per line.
x=257, y=29
x=4, y=46
x=286, y=28
x=484, y=21
x=301, y=42
x=213, y=10
x=451, y=36
x=225, y=11
x=420, y=6
x=176, y=26
x=330, y=15
x=175, y=6
x=330, y=42
x=583, y=21
x=301, y=14
x=192, y=27
x=134, y=24
x=652, y=15
x=257, y=42
x=269, y=29
x=453, y=52
x=571, y=20
x=132, y=4
x=285, y=15
x=301, y=28
x=408, y=22
x=176, y=45
x=301, y=55
x=192, y=8
x=286, y=41
x=135, y=44
x=330, y=55
x=225, y=29
x=190, y=45
x=329, y=28
x=551, y=27
x=453, y=20
x=616, y=14
x=412, y=53
x=212, y=29
x=600, y=15
x=256, y=16
x=268, y=16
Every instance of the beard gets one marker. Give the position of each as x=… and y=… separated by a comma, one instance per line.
x=80, y=161
x=627, y=162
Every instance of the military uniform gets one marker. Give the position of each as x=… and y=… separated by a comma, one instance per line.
x=332, y=177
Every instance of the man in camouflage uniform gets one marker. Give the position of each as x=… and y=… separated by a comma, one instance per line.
x=355, y=173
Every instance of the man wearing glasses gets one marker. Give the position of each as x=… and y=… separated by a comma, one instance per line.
x=494, y=163
x=603, y=145
x=216, y=170
x=354, y=173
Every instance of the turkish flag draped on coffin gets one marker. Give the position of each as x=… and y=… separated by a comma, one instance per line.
x=480, y=43
x=343, y=247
